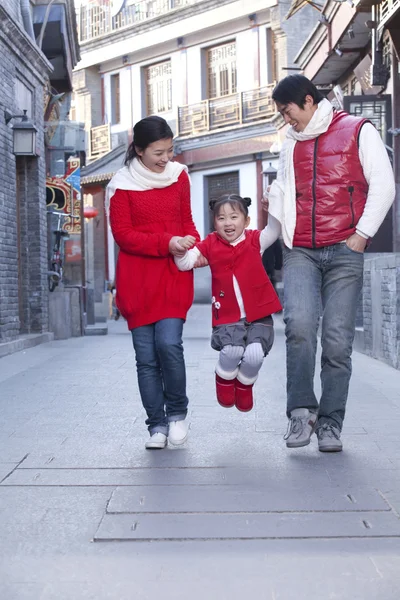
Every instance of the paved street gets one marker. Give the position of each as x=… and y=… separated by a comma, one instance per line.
x=87, y=513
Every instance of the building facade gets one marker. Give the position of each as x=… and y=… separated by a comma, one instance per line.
x=27, y=70
x=208, y=67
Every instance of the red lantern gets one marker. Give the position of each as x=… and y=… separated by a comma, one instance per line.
x=90, y=212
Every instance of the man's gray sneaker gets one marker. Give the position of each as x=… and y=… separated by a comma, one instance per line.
x=329, y=438
x=302, y=424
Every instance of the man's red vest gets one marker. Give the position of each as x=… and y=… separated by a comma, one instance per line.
x=244, y=262
x=331, y=189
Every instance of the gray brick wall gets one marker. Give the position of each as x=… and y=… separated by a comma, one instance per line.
x=13, y=9
x=381, y=308
x=23, y=233
x=290, y=34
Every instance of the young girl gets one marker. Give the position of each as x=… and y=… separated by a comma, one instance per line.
x=243, y=297
x=149, y=207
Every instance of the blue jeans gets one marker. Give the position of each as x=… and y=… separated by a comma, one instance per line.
x=161, y=372
x=325, y=281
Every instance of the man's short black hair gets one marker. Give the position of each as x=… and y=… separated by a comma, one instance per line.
x=295, y=88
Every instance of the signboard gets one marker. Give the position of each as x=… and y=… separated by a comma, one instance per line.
x=64, y=194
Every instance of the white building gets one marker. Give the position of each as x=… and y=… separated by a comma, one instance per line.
x=208, y=67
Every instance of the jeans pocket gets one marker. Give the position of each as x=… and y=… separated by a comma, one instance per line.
x=351, y=250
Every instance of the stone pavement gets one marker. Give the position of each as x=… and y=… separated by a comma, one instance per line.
x=87, y=513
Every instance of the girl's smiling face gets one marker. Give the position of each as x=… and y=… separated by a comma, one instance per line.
x=157, y=155
x=230, y=222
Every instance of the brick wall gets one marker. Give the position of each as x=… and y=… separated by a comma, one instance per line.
x=290, y=34
x=23, y=233
x=13, y=9
x=381, y=308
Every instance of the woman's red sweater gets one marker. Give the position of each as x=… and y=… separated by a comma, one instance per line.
x=149, y=285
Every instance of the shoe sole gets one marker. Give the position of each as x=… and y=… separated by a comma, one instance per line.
x=226, y=405
x=156, y=447
x=302, y=444
x=331, y=449
x=298, y=444
x=180, y=442
x=244, y=409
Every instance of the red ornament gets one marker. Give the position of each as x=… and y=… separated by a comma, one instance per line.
x=90, y=212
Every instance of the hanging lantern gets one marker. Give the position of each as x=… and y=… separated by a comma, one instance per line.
x=90, y=212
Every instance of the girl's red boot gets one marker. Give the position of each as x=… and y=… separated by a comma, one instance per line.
x=225, y=391
x=244, y=396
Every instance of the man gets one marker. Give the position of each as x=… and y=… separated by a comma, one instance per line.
x=334, y=187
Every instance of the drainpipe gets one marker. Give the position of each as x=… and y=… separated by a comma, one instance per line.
x=27, y=18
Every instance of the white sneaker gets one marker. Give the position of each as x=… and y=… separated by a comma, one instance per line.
x=178, y=432
x=157, y=441
x=302, y=424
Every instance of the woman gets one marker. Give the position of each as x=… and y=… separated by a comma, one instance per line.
x=149, y=207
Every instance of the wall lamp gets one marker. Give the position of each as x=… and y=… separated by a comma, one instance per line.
x=24, y=134
x=338, y=51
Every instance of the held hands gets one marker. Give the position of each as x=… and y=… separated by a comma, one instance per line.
x=187, y=242
x=179, y=245
x=200, y=262
x=356, y=243
x=264, y=200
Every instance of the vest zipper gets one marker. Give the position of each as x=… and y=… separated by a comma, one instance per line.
x=351, y=190
x=314, y=208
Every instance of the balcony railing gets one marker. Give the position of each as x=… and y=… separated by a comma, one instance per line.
x=226, y=111
x=96, y=20
x=386, y=9
x=100, y=141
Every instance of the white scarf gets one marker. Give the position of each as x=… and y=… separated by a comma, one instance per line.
x=137, y=178
x=282, y=196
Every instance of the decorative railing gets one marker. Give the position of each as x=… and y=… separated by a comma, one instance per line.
x=100, y=141
x=226, y=111
x=96, y=19
x=386, y=9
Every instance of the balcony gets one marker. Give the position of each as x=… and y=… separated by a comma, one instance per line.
x=226, y=111
x=386, y=10
x=99, y=141
x=96, y=20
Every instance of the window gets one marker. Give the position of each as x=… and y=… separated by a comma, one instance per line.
x=115, y=100
x=221, y=67
x=159, y=88
x=387, y=51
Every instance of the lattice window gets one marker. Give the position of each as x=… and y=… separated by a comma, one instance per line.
x=222, y=74
x=376, y=110
x=159, y=88
x=387, y=51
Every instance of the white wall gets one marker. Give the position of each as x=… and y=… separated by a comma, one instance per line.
x=194, y=74
x=246, y=60
x=136, y=80
x=248, y=187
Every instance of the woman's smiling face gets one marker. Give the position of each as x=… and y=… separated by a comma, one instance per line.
x=157, y=155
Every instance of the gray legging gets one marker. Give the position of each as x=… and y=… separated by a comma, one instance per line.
x=243, y=363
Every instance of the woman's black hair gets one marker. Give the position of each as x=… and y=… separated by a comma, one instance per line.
x=145, y=132
x=234, y=200
x=295, y=88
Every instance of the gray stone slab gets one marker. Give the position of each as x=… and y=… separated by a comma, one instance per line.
x=246, y=526
x=240, y=499
x=50, y=476
x=6, y=469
